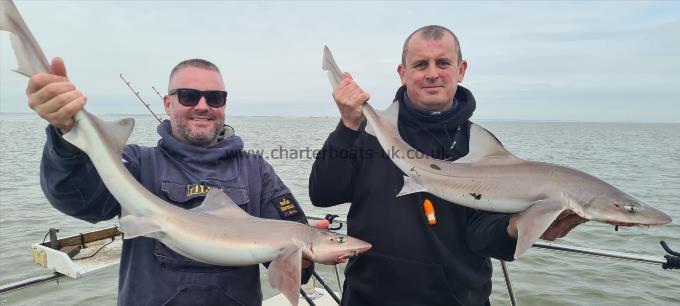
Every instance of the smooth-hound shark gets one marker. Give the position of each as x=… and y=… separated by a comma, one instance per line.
x=490, y=178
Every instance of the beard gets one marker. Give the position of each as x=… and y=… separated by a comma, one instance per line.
x=197, y=138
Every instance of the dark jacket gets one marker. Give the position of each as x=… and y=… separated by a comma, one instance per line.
x=150, y=272
x=411, y=262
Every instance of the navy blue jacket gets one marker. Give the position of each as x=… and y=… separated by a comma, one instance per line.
x=411, y=262
x=150, y=272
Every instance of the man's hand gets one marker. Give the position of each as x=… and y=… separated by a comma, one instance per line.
x=564, y=223
x=54, y=98
x=350, y=97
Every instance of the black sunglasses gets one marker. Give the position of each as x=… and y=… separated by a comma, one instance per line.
x=190, y=97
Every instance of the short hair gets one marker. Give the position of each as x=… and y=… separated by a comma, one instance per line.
x=433, y=32
x=194, y=62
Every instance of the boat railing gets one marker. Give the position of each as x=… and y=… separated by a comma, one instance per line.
x=668, y=261
x=49, y=251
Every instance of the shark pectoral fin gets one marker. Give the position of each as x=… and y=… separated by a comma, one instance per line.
x=410, y=186
x=217, y=203
x=134, y=226
x=285, y=273
x=533, y=222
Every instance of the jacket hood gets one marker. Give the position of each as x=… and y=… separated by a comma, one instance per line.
x=227, y=145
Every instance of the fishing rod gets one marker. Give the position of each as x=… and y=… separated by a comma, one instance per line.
x=140, y=97
x=157, y=93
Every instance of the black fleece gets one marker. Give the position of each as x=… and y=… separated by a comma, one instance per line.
x=411, y=262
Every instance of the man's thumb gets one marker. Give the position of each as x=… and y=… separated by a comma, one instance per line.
x=58, y=67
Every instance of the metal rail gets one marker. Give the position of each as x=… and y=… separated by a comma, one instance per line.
x=328, y=289
x=566, y=248
x=508, y=283
x=601, y=253
x=670, y=261
x=30, y=282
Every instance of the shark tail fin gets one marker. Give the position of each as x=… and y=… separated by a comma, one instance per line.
x=328, y=64
x=30, y=57
x=116, y=132
x=533, y=222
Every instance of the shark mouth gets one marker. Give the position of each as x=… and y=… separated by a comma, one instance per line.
x=354, y=252
x=616, y=223
x=630, y=224
x=345, y=257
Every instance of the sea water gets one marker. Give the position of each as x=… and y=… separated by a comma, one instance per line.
x=642, y=159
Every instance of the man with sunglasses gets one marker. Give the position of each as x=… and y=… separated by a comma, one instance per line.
x=196, y=152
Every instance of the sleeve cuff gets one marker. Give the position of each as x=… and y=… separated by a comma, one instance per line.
x=307, y=274
x=62, y=147
x=506, y=244
x=343, y=136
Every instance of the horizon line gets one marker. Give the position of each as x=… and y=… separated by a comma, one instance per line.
x=338, y=117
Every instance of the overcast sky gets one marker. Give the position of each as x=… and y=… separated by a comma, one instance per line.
x=583, y=61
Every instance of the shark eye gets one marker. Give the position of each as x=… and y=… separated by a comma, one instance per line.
x=342, y=239
x=631, y=208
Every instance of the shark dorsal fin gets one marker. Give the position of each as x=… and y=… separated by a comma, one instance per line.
x=390, y=114
x=115, y=133
x=483, y=144
x=217, y=203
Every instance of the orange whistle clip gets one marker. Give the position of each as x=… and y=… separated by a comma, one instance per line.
x=429, y=212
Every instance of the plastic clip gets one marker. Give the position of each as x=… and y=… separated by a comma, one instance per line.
x=330, y=219
x=672, y=260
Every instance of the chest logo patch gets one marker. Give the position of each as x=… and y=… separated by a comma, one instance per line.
x=197, y=190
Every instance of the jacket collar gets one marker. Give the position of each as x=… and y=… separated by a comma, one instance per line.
x=228, y=145
x=464, y=107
